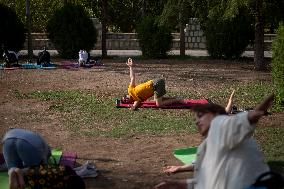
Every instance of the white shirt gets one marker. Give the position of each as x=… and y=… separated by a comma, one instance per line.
x=83, y=55
x=229, y=158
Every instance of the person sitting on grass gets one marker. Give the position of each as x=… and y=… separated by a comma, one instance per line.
x=189, y=167
x=144, y=91
x=26, y=155
x=228, y=157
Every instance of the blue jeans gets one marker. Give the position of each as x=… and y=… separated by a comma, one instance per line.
x=19, y=153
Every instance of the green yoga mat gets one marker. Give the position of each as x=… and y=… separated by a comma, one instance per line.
x=4, y=180
x=186, y=155
x=56, y=155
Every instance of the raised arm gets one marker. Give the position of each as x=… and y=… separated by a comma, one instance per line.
x=230, y=102
x=260, y=109
x=129, y=63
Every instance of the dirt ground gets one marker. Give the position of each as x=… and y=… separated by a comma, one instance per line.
x=134, y=162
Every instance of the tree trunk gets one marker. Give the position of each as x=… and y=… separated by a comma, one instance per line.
x=182, y=36
x=259, y=37
x=104, y=29
x=28, y=25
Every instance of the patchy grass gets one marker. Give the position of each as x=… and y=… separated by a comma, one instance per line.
x=89, y=114
x=271, y=141
x=83, y=109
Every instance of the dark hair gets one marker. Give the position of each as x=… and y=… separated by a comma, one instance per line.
x=209, y=108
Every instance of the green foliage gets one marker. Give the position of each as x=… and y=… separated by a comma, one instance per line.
x=40, y=10
x=70, y=29
x=12, y=30
x=175, y=13
x=125, y=15
x=278, y=65
x=274, y=14
x=228, y=38
x=154, y=39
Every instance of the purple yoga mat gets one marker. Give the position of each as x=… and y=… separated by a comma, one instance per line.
x=68, y=158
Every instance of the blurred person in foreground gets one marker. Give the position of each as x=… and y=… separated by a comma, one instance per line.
x=228, y=157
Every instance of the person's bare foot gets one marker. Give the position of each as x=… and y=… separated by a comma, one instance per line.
x=13, y=181
x=20, y=178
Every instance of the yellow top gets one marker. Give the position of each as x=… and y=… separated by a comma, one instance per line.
x=142, y=91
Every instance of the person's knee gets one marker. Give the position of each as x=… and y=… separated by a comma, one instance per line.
x=159, y=102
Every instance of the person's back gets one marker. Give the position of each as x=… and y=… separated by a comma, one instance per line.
x=43, y=58
x=32, y=138
x=142, y=91
x=10, y=57
x=231, y=158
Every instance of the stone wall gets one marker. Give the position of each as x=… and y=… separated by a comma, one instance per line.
x=194, y=39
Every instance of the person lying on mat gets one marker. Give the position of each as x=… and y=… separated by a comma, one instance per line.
x=228, y=157
x=25, y=152
x=143, y=91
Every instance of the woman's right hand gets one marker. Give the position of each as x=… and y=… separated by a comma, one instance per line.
x=172, y=169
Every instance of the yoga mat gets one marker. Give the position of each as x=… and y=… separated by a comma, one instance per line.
x=4, y=180
x=68, y=158
x=186, y=155
x=63, y=158
x=152, y=104
x=55, y=156
x=31, y=66
x=69, y=64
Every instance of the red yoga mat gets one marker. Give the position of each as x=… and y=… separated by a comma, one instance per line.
x=152, y=104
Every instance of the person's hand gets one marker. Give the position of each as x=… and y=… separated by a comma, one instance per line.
x=261, y=109
x=129, y=62
x=171, y=169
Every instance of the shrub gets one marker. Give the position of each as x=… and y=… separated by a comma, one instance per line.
x=12, y=30
x=228, y=38
x=154, y=40
x=278, y=65
x=71, y=29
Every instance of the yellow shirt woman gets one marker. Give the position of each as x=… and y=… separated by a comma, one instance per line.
x=142, y=91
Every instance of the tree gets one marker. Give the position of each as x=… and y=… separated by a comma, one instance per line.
x=104, y=27
x=12, y=30
x=40, y=11
x=71, y=29
x=28, y=25
x=278, y=66
x=176, y=13
x=231, y=8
